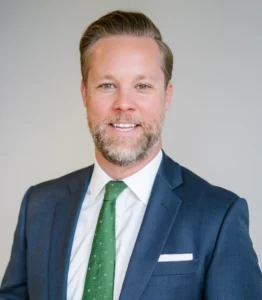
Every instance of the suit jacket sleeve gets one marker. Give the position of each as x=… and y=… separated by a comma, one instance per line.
x=233, y=272
x=14, y=284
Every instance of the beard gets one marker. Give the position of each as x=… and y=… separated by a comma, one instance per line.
x=127, y=150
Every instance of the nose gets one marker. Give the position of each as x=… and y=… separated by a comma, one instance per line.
x=123, y=101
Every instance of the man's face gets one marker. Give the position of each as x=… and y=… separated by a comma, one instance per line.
x=126, y=98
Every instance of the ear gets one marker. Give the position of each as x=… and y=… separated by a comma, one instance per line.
x=169, y=94
x=84, y=93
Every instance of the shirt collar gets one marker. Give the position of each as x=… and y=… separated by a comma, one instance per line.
x=98, y=181
x=140, y=183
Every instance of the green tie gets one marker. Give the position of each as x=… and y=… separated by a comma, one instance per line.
x=99, y=284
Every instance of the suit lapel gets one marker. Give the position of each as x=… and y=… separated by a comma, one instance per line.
x=64, y=224
x=158, y=220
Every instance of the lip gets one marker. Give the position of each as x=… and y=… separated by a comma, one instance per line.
x=124, y=131
x=123, y=126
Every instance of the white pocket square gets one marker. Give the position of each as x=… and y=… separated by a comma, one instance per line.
x=175, y=257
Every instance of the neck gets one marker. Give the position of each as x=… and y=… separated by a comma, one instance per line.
x=118, y=172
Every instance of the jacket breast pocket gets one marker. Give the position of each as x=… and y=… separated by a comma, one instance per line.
x=173, y=280
x=175, y=267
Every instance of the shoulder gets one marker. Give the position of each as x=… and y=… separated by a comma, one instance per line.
x=66, y=179
x=61, y=186
x=199, y=193
x=200, y=187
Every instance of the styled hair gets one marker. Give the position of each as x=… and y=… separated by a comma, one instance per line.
x=121, y=23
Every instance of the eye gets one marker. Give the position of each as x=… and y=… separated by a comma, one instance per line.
x=106, y=86
x=143, y=86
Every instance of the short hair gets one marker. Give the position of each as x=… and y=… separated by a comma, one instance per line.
x=120, y=23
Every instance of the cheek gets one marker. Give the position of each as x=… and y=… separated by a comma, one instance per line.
x=153, y=109
x=98, y=109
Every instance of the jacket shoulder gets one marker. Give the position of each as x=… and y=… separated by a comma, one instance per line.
x=65, y=179
x=59, y=188
x=199, y=193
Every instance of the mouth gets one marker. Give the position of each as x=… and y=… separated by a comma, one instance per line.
x=124, y=127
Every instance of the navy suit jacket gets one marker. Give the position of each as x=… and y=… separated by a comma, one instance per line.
x=185, y=214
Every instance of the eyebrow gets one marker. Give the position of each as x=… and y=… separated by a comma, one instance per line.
x=138, y=77
x=108, y=76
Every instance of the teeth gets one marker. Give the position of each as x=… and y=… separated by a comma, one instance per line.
x=124, y=127
x=120, y=125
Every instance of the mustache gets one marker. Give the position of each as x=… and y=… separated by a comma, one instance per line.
x=124, y=118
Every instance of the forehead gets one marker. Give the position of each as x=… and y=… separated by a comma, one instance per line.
x=126, y=52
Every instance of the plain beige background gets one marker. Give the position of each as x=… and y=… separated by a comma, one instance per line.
x=214, y=126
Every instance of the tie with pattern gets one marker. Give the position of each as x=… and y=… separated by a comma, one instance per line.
x=99, y=284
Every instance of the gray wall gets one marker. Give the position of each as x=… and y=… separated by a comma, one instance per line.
x=213, y=128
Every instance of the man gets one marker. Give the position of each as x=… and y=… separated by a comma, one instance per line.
x=136, y=225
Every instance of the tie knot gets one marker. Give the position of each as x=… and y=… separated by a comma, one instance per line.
x=113, y=190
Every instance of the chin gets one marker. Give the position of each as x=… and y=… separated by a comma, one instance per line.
x=121, y=156
x=127, y=155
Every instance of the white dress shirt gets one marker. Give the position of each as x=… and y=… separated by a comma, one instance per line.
x=130, y=208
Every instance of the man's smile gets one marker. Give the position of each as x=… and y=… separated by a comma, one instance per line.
x=124, y=126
